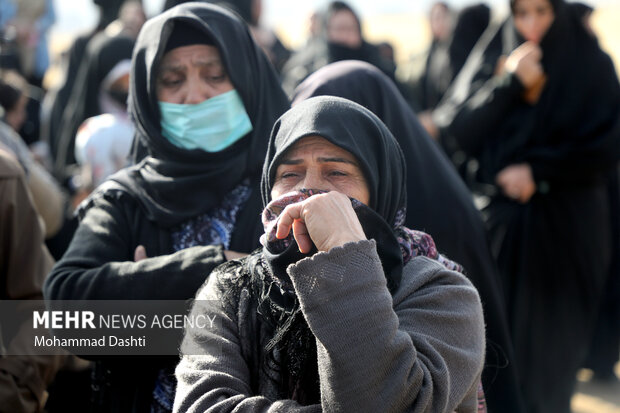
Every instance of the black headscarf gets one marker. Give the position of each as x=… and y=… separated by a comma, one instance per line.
x=471, y=22
x=102, y=54
x=355, y=129
x=173, y=184
x=579, y=104
x=438, y=202
x=320, y=52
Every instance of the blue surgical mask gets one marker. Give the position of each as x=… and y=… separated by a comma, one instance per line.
x=212, y=125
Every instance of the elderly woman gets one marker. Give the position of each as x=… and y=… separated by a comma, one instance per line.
x=203, y=97
x=449, y=214
x=344, y=309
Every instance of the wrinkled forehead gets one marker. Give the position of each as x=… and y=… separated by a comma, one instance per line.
x=313, y=143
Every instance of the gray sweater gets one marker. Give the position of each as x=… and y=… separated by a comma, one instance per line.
x=421, y=350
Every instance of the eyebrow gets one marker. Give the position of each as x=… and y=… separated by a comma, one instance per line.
x=173, y=67
x=289, y=161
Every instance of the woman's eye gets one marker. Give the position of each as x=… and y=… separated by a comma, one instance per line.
x=337, y=173
x=171, y=82
x=286, y=175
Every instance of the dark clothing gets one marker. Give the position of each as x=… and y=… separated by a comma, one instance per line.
x=102, y=54
x=553, y=251
x=438, y=203
x=471, y=22
x=99, y=266
x=199, y=179
x=319, y=52
x=146, y=203
x=445, y=58
x=297, y=361
x=56, y=100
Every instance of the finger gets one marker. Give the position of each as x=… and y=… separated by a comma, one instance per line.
x=286, y=219
x=140, y=253
x=302, y=237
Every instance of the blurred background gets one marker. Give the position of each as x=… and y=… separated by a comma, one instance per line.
x=404, y=24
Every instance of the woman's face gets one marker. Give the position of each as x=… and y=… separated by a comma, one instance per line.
x=315, y=163
x=533, y=18
x=192, y=74
x=343, y=28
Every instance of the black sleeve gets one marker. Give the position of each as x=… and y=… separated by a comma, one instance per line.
x=592, y=147
x=466, y=126
x=99, y=264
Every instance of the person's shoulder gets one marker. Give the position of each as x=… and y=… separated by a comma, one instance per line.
x=108, y=193
x=231, y=277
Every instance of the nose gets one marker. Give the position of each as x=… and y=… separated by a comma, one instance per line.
x=314, y=180
x=197, y=90
x=531, y=29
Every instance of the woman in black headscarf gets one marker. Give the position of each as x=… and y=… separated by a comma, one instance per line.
x=341, y=39
x=438, y=203
x=90, y=97
x=543, y=123
x=193, y=200
x=344, y=309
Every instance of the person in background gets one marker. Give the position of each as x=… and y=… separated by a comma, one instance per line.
x=203, y=97
x=48, y=197
x=103, y=141
x=342, y=40
x=537, y=104
x=98, y=90
x=24, y=263
x=344, y=308
x=447, y=214
x=251, y=11
x=117, y=18
x=471, y=22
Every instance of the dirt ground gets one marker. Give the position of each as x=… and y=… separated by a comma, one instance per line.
x=596, y=397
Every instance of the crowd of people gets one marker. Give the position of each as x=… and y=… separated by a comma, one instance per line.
x=443, y=236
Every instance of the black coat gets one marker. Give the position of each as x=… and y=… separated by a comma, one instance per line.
x=140, y=205
x=554, y=251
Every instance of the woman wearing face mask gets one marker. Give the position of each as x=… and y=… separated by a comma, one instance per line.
x=342, y=39
x=203, y=98
x=538, y=105
x=344, y=309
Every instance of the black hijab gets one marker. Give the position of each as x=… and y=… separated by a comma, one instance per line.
x=351, y=127
x=438, y=202
x=471, y=22
x=355, y=129
x=102, y=54
x=574, y=122
x=428, y=169
x=173, y=184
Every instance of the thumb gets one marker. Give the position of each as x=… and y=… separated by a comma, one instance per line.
x=140, y=253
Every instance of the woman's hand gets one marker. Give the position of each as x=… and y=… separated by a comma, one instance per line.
x=525, y=63
x=327, y=220
x=517, y=182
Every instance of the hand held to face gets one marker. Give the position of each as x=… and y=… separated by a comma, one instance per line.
x=525, y=63
x=327, y=220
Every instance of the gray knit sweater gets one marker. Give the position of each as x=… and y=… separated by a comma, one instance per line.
x=421, y=350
